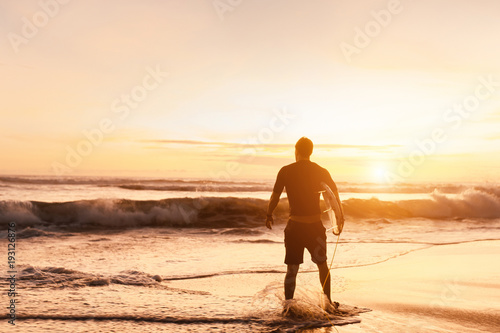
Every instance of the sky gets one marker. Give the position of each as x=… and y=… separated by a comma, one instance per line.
x=389, y=91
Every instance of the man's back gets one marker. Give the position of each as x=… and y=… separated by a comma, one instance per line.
x=302, y=181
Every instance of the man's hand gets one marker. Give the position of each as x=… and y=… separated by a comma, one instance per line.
x=273, y=202
x=269, y=221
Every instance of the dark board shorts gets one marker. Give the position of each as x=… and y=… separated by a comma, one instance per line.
x=300, y=236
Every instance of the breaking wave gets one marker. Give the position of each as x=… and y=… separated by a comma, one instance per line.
x=229, y=212
x=209, y=212
x=478, y=202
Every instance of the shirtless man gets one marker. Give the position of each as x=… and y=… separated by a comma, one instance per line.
x=304, y=229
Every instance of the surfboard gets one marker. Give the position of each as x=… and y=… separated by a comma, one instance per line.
x=334, y=209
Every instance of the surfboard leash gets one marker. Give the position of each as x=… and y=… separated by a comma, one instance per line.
x=329, y=275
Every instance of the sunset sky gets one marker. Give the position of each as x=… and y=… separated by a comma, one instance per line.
x=387, y=90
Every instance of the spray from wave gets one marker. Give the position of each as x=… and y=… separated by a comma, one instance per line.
x=478, y=202
x=309, y=308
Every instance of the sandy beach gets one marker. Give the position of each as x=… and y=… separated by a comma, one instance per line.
x=446, y=288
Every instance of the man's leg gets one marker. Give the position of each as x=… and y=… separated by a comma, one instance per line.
x=291, y=276
x=324, y=274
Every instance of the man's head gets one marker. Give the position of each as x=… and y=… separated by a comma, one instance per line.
x=303, y=149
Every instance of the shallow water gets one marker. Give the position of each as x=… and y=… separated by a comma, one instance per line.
x=160, y=279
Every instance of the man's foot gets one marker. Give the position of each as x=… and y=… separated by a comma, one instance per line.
x=332, y=307
x=288, y=308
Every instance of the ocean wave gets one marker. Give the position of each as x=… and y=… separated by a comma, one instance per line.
x=241, y=232
x=258, y=241
x=139, y=184
x=345, y=316
x=40, y=180
x=405, y=188
x=229, y=212
x=209, y=212
x=110, y=180
x=61, y=276
x=197, y=188
x=476, y=202
x=223, y=186
x=34, y=232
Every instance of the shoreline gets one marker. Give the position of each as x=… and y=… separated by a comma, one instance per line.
x=436, y=288
x=443, y=288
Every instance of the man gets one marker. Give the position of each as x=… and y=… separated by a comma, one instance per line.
x=304, y=229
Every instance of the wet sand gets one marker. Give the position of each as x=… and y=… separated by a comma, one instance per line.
x=445, y=288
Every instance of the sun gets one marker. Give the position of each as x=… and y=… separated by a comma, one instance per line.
x=378, y=173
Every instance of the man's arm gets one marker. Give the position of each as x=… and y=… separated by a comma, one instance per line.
x=273, y=202
x=279, y=185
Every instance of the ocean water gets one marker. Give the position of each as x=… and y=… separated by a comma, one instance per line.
x=152, y=255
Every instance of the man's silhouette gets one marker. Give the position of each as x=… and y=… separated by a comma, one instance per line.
x=304, y=229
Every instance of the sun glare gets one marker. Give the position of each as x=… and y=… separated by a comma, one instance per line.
x=378, y=173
